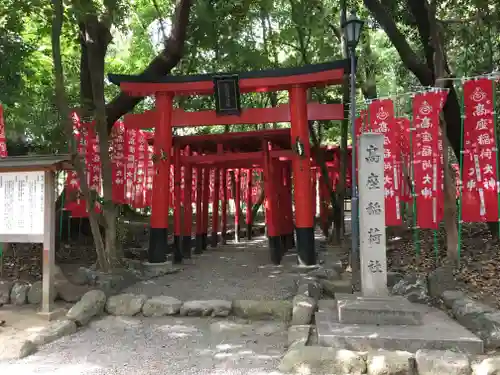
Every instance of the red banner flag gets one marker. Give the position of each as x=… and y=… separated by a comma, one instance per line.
x=172, y=195
x=150, y=172
x=139, y=200
x=382, y=120
x=118, y=163
x=130, y=155
x=92, y=160
x=427, y=163
x=3, y=143
x=73, y=199
x=479, y=171
x=404, y=160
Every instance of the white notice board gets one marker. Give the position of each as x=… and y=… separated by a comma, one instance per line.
x=22, y=197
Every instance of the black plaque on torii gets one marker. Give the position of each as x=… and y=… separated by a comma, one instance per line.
x=227, y=95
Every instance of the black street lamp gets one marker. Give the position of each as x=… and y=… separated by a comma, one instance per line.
x=352, y=31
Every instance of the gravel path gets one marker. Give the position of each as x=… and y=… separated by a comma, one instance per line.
x=234, y=271
x=182, y=345
x=166, y=346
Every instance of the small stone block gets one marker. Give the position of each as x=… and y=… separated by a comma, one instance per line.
x=332, y=287
x=382, y=311
x=437, y=362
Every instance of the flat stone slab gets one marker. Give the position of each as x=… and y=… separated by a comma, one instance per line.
x=437, y=332
x=379, y=311
x=158, y=269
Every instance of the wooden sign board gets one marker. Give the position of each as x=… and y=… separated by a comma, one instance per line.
x=22, y=199
x=227, y=95
x=27, y=215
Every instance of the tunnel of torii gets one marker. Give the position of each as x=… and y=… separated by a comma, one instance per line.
x=281, y=153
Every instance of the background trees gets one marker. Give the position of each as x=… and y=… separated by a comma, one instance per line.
x=397, y=54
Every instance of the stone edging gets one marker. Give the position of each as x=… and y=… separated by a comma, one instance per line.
x=95, y=303
x=20, y=292
x=324, y=360
x=299, y=313
x=439, y=286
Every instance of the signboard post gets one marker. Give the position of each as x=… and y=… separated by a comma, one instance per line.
x=49, y=246
x=27, y=204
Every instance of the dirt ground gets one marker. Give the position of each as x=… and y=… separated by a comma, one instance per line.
x=476, y=274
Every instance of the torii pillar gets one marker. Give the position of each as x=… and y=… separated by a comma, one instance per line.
x=301, y=165
x=177, y=205
x=188, y=208
x=158, y=235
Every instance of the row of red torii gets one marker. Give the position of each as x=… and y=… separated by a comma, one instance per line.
x=280, y=153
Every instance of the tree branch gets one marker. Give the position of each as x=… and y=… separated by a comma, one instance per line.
x=408, y=56
x=419, y=10
x=160, y=66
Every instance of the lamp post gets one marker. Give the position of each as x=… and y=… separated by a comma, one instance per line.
x=352, y=31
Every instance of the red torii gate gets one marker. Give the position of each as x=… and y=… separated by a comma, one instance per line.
x=295, y=80
x=224, y=150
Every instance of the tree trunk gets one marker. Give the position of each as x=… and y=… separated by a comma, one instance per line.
x=258, y=203
x=450, y=207
x=64, y=112
x=97, y=39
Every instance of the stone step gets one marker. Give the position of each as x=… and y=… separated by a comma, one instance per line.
x=378, y=311
x=438, y=332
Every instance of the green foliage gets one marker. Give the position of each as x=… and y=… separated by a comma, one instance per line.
x=223, y=36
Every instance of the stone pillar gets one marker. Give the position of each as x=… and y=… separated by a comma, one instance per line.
x=158, y=239
x=372, y=215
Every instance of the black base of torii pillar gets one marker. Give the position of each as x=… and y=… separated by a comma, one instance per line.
x=158, y=245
